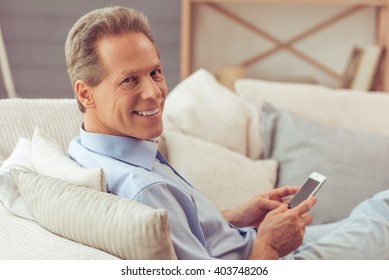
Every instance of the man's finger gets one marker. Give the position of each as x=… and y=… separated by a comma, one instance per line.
x=307, y=219
x=305, y=206
x=270, y=204
x=284, y=191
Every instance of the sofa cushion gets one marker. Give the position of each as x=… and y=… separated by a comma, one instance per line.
x=225, y=177
x=21, y=158
x=23, y=239
x=338, y=108
x=354, y=162
x=59, y=118
x=49, y=159
x=2, y=159
x=119, y=226
x=43, y=155
x=203, y=108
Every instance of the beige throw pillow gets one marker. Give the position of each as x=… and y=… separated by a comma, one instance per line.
x=49, y=159
x=203, y=108
x=119, y=226
x=225, y=177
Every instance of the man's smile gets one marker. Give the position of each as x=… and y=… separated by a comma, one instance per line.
x=147, y=112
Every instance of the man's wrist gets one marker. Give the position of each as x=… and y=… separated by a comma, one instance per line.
x=263, y=251
x=231, y=217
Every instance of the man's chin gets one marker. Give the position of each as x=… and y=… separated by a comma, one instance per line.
x=156, y=136
x=151, y=136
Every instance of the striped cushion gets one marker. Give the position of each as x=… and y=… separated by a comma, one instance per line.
x=59, y=118
x=22, y=239
x=119, y=226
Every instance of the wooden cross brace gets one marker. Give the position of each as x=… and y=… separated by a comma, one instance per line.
x=288, y=45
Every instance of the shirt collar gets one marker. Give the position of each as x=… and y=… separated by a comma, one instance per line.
x=131, y=150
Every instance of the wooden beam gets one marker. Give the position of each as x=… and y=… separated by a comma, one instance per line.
x=324, y=2
x=186, y=38
x=383, y=41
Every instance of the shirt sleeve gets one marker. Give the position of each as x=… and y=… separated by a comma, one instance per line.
x=185, y=229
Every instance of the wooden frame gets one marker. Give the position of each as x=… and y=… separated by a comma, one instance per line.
x=6, y=69
x=382, y=36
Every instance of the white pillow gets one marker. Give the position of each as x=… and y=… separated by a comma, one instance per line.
x=337, y=108
x=119, y=226
x=2, y=159
x=21, y=158
x=225, y=177
x=49, y=159
x=10, y=197
x=201, y=107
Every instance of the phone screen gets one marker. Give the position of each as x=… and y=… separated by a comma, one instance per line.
x=304, y=193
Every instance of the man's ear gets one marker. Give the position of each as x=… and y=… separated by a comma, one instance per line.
x=84, y=94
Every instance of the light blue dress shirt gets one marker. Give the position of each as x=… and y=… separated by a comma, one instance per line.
x=135, y=169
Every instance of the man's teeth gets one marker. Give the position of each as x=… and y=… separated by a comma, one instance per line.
x=148, y=113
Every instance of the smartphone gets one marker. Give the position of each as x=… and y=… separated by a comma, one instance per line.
x=310, y=188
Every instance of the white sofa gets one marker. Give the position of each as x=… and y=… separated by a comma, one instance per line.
x=231, y=145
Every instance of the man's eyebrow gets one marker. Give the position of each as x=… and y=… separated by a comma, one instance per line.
x=140, y=70
x=157, y=65
x=123, y=74
x=126, y=73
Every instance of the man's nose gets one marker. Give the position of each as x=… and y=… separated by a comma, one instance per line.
x=150, y=89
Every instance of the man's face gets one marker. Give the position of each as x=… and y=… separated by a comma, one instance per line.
x=130, y=99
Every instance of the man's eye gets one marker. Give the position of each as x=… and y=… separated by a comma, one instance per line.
x=127, y=80
x=156, y=74
x=129, y=83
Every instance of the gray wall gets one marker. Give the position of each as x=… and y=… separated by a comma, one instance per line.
x=35, y=32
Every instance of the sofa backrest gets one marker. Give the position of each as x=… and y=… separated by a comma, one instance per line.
x=59, y=118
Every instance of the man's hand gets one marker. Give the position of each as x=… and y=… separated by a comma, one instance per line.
x=282, y=231
x=254, y=211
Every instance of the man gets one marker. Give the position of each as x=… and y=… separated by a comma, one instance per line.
x=115, y=69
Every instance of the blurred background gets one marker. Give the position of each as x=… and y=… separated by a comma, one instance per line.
x=219, y=36
x=35, y=32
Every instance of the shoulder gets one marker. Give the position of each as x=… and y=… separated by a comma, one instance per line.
x=179, y=203
x=163, y=189
x=151, y=189
x=121, y=177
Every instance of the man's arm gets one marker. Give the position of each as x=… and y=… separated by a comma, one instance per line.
x=185, y=229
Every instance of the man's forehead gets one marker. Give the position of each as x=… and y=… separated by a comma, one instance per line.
x=126, y=38
x=126, y=54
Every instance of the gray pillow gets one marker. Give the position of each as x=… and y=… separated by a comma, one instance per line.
x=355, y=163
